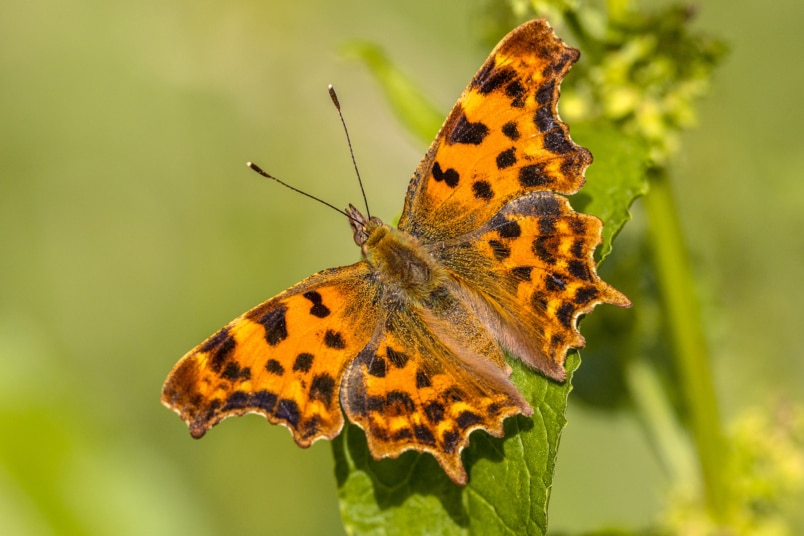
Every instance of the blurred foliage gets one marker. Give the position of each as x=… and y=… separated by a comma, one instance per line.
x=766, y=473
x=408, y=102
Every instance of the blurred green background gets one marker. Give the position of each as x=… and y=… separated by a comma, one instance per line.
x=131, y=230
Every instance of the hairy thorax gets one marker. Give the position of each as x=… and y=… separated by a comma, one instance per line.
x=401, y=261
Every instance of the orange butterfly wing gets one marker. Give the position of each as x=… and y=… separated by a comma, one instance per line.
x=494, y=165
x=283, y=359
x=533, y=265
x=502, y=139
x=427, y=380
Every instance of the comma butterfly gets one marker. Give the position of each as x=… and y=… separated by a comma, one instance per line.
x=409, y=342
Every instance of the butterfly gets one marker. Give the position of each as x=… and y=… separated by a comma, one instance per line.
x=488, y=257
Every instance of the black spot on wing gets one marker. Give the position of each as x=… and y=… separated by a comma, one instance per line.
x=509, y=229
x=303, y=362
x=233, y=372
x=547, y=225
x=399, y=402
x=273, y=321
x=236, y=400
x=379, y=432
x=322, y=388
x=423, y=434
x=544, y=120
x=311, y=426
x=215, y=341
x=506, y=158
x=559, y=65
x=577, y=248
x=402, y=433
x=538, y=301
x=288, y=411
x=434, y=412
x=578, y=226
x=564, y=314
x=397, y=359
x=490, y=79
x=541, y=248
x=556, y=340
x=454, y=394
x=422, y=380
x=451, y=438
x=547, y=205
x=377, y=366
x=522, y=272
x=274, y=367
x=500, y=250
x=482, y=190
x=375, y=403
x=556, y=142
x=264, y=400
x=579, y=269
x=318, y=309
x=533, y=175
x=221, y=350
x=450, y=176
x=467, y=419
x=545, y=93
x=468, y=133
x=334, y=339
x=573, y=165
x=554, y=283
x=511, y=131
x=517, y=92
x=585, y=294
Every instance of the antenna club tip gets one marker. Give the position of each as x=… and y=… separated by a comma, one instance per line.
x=254, y=167
x=334, y=97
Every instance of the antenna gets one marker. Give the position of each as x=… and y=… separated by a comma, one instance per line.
x=259, y=170
x=336, y=102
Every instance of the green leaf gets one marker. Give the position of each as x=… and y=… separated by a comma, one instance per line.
x=614, y=180
x=509, y=478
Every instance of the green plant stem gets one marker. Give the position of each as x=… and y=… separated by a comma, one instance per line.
x=690, y=351
x=670, y=441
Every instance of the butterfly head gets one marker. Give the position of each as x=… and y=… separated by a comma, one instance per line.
x=362, y=227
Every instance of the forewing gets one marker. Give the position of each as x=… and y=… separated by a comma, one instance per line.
x=283, y=359
x=502, y=139
x=422, y=384
x=532, y=265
